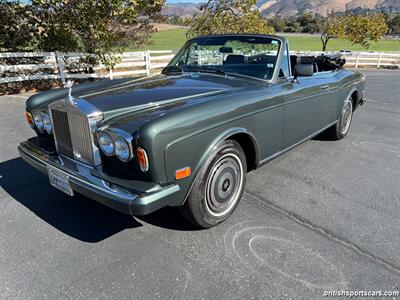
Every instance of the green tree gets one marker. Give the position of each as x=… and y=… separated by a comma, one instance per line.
x=358, y=29
x=17, y=32
x=100, y=27
x=229, y=16
x=363, y=30
x=292, y=25
x=394, y=24
x=95, y=26
x=278, y=23
x=310, y=22
x=332, y=28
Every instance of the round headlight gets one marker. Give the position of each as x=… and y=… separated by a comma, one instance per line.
x=38, y=119
x=46, y=123
x=106, y=144
x=122, y=150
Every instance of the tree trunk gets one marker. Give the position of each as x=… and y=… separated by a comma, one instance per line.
x=324, y=40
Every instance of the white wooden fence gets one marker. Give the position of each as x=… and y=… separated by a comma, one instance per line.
x=63, y=66
x=364, y=59
x=373, y=59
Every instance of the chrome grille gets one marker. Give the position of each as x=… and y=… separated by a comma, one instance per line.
x=73, y=130
x=61, y=129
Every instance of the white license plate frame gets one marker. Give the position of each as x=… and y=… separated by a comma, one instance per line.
x=60, y=181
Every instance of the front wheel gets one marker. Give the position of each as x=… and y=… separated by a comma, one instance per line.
x=341, y=128
x=218, y=187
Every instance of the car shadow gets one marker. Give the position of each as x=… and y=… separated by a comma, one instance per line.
x=169, y=218
x=323, y=137
x=79, y=216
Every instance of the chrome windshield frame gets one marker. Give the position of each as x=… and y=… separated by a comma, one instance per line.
x=282, y=43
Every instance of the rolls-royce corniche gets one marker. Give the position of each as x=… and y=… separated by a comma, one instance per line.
x=224, y=106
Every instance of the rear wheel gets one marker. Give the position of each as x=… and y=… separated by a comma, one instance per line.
x=218, y=188
x=341, y=128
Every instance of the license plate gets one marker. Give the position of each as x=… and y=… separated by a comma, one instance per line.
x=59, y=181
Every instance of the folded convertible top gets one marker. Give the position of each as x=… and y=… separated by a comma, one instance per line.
x=324, y=62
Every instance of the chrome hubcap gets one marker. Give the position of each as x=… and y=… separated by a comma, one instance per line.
x=346, y=116
x=223, y=185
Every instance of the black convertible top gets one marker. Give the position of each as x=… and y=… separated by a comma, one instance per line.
x=323, y=62
x=329, y=62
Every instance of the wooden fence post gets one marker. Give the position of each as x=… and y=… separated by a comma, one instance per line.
x=379, y=60
x=60, y=65
x=357, y=57
x=147, y=61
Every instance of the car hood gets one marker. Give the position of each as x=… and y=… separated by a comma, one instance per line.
x=122, y=96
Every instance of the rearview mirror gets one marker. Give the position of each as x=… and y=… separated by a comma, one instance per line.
x=303, y=70
x=226, y=50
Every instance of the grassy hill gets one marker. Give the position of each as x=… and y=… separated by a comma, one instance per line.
x=293, y=7
x=175, y=38
x=289, y=7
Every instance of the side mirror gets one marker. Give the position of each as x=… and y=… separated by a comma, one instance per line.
x=303, y=70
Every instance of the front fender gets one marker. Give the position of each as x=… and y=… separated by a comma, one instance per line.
x=194, y=151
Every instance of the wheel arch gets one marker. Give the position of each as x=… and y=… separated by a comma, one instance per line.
x=355, y=98
x=354, y=95
x=246, y=140
x=250, y=147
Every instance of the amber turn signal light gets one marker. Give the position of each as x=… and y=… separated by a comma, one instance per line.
x=183, y=173
x=142, y=159
x=29, y=119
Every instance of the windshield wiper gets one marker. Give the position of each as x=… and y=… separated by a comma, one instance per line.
x=174, y=70
x=171, y=70
x=206, y=70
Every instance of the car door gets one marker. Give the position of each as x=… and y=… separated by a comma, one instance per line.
x=268, y=123
x=329, y=96
x=308, y=104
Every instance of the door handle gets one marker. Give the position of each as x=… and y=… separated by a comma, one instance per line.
x=324, y=87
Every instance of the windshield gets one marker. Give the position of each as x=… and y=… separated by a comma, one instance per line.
x=243, y=55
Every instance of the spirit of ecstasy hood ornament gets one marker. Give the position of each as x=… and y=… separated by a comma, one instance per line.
x=69, y=85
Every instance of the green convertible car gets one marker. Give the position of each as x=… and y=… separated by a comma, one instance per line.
x=225, y=105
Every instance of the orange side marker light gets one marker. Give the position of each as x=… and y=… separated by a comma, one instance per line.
x=29, y=119
x=142, y=159
x=183, y=173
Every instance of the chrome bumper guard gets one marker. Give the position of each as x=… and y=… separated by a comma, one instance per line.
x=82, y=181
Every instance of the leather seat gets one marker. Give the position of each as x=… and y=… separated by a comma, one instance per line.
x=233, y=59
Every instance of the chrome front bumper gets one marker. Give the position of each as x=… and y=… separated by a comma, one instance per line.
x=140, y=198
